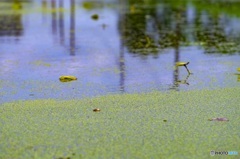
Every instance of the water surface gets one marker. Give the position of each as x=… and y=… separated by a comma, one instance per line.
x=131, y=47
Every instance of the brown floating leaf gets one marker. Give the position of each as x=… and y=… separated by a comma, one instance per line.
x=96, y=110
x=218, y=119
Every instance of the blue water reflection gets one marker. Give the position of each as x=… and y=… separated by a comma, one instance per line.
x=41, y=40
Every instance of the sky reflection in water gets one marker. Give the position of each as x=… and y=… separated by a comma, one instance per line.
x=130, y=48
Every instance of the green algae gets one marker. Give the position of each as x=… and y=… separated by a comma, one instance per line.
x=128, y=126
x=40, y=63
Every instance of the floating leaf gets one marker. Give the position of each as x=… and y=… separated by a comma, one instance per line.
x=218, y=119
x=96, y=110
x=182, y=63
x=67, y=78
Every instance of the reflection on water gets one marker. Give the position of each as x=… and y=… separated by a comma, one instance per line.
x=72, y=28
x=11, y=24
x=132, y=47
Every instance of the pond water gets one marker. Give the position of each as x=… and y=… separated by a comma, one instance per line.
x=127, y=47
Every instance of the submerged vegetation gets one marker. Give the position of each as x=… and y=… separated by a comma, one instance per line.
x=150, y=125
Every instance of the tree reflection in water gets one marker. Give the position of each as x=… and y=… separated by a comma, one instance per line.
x=146, y=28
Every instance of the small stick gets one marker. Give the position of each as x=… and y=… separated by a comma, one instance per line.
x=187, y=69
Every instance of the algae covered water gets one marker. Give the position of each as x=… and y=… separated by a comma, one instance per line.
x=150, y=125
x=119, y=79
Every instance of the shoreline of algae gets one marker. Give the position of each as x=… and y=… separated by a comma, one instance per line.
x=149, y=125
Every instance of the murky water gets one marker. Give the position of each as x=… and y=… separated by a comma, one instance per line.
x=130, y=46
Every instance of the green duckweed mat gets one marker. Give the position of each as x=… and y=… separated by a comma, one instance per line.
x=151, y=125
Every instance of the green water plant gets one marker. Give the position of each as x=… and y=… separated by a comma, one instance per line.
x=67, y=78
x=178, y=64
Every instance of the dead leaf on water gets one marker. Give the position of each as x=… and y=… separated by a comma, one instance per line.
x=96, y=110
x=218, y=119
